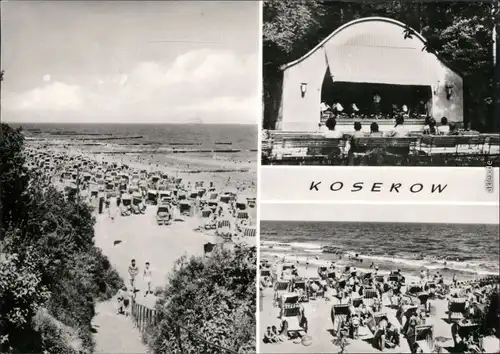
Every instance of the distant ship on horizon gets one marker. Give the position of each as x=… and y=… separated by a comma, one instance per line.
x=196, y=121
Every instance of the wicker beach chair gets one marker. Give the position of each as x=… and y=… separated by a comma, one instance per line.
x=301, y=286
x=293, y=315
x=292, y=312
x=370, y=296
x=280, y=287
x=339, y=316
x=424, y=338
x=456, y=309
x=424, y=301
x=462, y=329
x=356, y=303
x=250, y=232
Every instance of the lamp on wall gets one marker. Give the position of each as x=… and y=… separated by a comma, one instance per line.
x=449, y=90
x=435, y=88
x=303, y=89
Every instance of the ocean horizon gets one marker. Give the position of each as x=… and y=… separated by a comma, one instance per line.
x=203, y=136
x=469, y=250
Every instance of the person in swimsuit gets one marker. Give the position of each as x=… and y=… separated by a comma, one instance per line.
x=133, y=270
x=147, y=275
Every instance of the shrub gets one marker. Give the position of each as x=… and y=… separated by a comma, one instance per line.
x=214, y=298
x=50, y=260
x=55, y=337
x=21, y=295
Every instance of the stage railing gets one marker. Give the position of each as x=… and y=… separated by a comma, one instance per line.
x=305, y=147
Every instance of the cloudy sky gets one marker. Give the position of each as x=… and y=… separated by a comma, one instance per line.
x=488, y=213
x=138, y=61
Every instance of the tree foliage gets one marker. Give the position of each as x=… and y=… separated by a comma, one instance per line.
x=49, y=260
x=460, y=33
x=214, y=298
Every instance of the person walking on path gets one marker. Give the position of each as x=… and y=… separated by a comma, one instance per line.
x=147, y=275
x=133, y=270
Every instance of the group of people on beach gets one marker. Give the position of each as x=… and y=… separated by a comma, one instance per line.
x=359, y=301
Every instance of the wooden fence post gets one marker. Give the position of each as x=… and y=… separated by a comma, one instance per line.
x=178, y=335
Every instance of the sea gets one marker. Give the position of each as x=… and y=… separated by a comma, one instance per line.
x=197, y=136
x=469, y=251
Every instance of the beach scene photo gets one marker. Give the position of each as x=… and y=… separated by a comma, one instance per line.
x=404, y=279
x=129, y=152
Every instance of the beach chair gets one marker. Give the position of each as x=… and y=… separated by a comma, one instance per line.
x=251, y=202
x=242, y=220
x=462, y=330
x=314, y=294
x=224, y=229
x=280, y=287
x=301, y=287
x=207, y=220
x=185, y=208
x=370, y=296
x=404, y=313
x=423, y=297
x=250, y=232
x=265, y=273
x=456, y=309
x=292, y=314
x=208, y=248
x=414, y=289
x=375, y=334
x=424, y=339
x=241, y=204
x=430, y=285
x=356, y=303
x=339, y=316
x=322, y=272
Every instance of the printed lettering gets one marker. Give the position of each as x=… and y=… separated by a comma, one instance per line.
x=438, y=187
x=358, y=186
x=314, y=186
x=395, y=186
x=333, y=184
x=420, y=186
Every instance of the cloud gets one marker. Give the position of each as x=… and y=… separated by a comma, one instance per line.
x=211, y=85
x=56, y=96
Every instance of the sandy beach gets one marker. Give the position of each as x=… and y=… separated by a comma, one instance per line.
x=139, y=236
x=320, y=325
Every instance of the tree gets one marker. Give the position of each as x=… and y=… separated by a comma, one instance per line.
x=13, y=177
x=213, y=298
x=51, y=261
x=22, y=293
x=287, y=28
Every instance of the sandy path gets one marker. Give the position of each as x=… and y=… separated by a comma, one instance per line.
x=145, y=241
x=114, y=333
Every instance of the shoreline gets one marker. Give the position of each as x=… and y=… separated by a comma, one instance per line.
x=386, y=265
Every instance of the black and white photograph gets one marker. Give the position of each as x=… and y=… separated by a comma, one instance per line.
x=376, y=277
x=391, y=83
x=129, y=156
